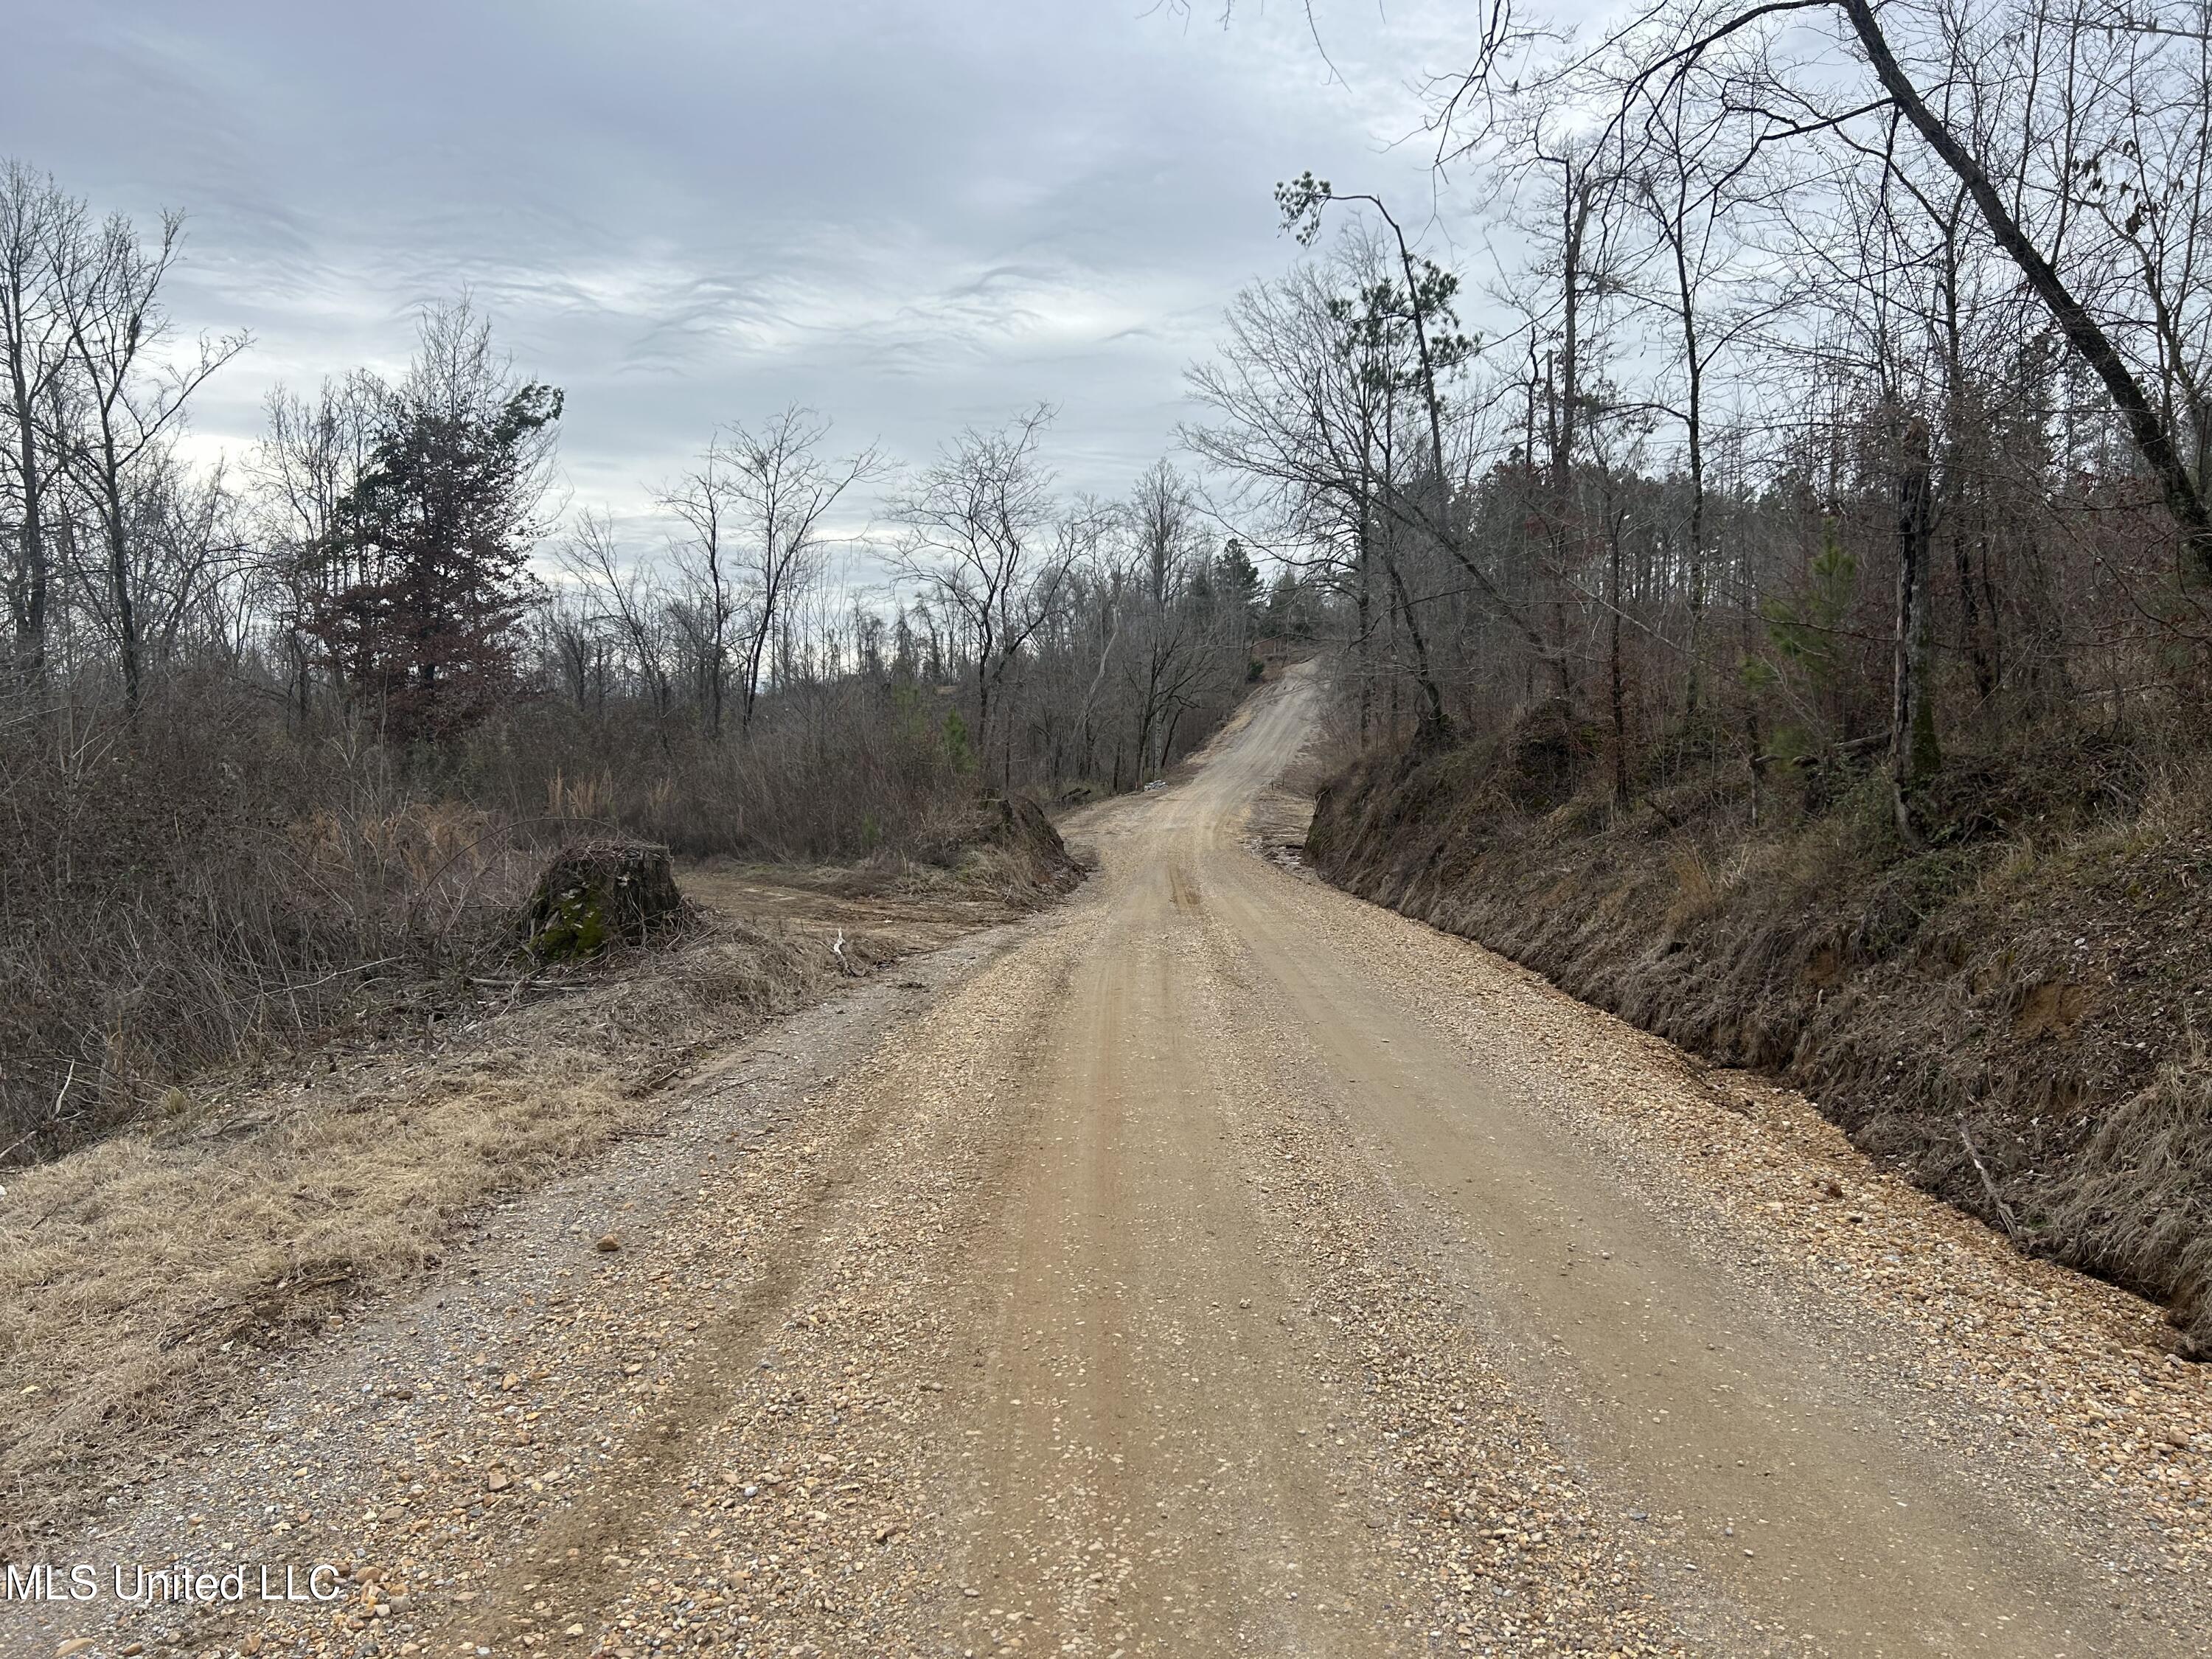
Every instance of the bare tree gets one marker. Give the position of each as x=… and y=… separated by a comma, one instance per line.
x=2154, y=431
x=783, y=491
x=310, y=459
x=41, y=239
x=974, y=539
x=124, y=404
x=702, y=498
x=1170, y=548
x=623, y=598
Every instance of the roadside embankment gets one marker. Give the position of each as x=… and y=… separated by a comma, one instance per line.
x=2013, y=1014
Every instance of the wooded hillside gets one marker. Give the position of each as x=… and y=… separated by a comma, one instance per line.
x=304, y=721
x=1788, y=624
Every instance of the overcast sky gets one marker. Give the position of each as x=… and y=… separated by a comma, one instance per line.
x=908, y=215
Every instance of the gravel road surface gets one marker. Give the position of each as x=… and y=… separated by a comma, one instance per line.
x=1214, y=1265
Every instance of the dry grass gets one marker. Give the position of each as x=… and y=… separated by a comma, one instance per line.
x=140, y=1276
x=143, y=1276
x=2137, y=1204
x=1696, y=896
x=992, y=864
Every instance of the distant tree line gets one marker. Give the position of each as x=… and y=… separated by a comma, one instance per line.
x=286, y=734
x=384, y=563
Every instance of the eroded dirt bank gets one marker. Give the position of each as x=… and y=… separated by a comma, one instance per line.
x=2013, y=1013
x=1216, y=1265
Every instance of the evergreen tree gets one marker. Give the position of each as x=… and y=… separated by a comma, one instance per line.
x=439, y=528
x=1236, y=580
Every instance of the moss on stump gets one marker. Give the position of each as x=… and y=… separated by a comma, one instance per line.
x=595, y=894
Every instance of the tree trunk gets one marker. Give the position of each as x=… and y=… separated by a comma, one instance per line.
x=1613, y=653
x=2153, y=435
x=1970, y=621
x=118, y=575
x=1363, y=611
x=31, y=622
x=1914, y=754
x=1435, y=725
x=983, y=710
x=1694, y=425
x=1955, y=460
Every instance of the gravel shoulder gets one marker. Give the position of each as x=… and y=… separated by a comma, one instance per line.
x=1216, y=1264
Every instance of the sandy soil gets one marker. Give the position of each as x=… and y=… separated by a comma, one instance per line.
x=828, y=900
x=1215, y=1265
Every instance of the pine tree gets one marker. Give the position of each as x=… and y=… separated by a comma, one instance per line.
x=439, y=527
x=1236, y=579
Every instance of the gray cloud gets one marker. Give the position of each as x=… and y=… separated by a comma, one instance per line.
x=909, y=216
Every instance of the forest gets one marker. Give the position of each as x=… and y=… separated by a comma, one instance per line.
x=1776, y=438
x=275, y=728
x=1775, y=591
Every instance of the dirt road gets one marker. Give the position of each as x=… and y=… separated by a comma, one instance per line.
x=1216, y=1265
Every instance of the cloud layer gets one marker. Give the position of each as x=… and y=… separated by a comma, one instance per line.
x=909, y=216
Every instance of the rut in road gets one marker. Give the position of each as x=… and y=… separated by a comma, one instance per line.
x=1226, y=1266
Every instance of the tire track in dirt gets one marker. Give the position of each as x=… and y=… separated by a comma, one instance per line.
x=1150, y=1492
x=835, y=1345
x=1227, y=1266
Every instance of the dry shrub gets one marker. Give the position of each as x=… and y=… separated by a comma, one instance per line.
x=148, y=929
x=184, y=891
x=839, y=772
x=2136, y=1204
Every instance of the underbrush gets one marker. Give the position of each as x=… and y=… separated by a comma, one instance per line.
x=2011, y=1012
x=204, y=885
x=171, y=899
x=842, y=782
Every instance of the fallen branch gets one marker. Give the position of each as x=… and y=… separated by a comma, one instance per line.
x=1989, y=1185
x=351, y=967
x=202, y=1319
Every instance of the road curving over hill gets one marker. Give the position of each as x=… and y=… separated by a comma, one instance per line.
x=1216, y=1264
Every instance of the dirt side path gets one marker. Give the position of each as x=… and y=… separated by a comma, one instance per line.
x=1218, y=1265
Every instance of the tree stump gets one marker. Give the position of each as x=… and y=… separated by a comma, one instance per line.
x=595, y=894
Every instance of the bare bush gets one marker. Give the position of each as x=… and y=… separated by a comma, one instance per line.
x=179, y=894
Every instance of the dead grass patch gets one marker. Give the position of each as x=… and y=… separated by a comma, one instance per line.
x=1695, y=895
x=2137, y=1203
x=142, y=1275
